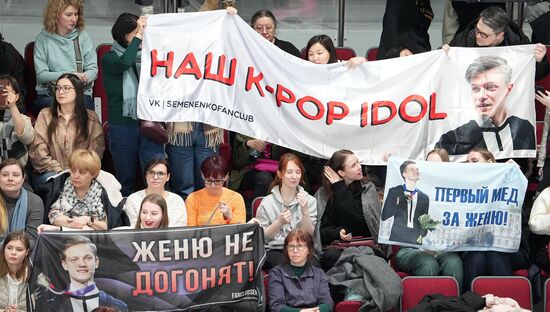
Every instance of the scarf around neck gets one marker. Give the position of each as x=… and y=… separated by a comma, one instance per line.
x=130, y=83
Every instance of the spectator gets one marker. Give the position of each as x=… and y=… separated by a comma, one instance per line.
x=17, y=130
x=264, y=23
x=12, y=64
x=21, y=209
x=406, y=22
x=121, y=68
x=15, y=269
x=191, y=143
x=215, y=204
x=420, y=262
x=157, y=174
x=87, y=200
x=320, y=50
x=400, y=51
x=153, y=213
x=287, y=207
x=493, y=28
x=64, y=127
x=459, y=14
x=63, y=47
x=297, y=284
x=492, y=263
x=347, y=204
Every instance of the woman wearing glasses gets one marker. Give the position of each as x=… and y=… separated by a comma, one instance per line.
x=63, y=128
x=84, y=198
x=215, y=204
x=287, y=207
x=265, y=24
x=297, y=284
x=157, y=174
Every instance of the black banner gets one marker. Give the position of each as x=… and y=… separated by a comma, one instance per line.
x=215, y=268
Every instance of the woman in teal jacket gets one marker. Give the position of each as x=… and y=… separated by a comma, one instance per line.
x=56, y=50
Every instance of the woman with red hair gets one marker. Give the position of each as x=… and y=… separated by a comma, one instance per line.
x=215, y=204
x=287, y=207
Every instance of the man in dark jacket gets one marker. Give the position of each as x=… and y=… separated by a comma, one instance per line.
x=406, y=204
x=493, y=28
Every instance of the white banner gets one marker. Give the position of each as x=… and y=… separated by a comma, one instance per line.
x=214, y=68
x=479, y=208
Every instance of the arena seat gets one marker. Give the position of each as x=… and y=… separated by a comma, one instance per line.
x=342, y=53
x=416, y=287
x=372, y=53
x=99, y=89
x=348, y=306
x=30, y=80
x=255, y=204
x=515, y=287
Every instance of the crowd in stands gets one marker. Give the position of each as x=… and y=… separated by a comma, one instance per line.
x=309, y=204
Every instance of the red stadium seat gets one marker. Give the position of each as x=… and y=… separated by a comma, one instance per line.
x=539, y=128
x=416, y=287
x=342, y=53
x=255, y=204
x=515, y=287
x=345, y=53
x=30, y=79
x=99, y=89
x=348, y=306
x=372, y=53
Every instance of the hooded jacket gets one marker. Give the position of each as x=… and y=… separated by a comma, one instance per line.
x=54, y=55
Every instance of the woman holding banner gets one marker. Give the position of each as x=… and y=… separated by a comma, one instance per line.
x=15, y=269
x=287, y=207
x=347, y=204
x=264, y=23
x=297, y=284
x=215, y=204
x=494, y=263
x=121, y=68
x=428, y=263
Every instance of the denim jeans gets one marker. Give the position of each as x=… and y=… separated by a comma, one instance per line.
x=185, y=163
x=131, y=149
x=37, y=183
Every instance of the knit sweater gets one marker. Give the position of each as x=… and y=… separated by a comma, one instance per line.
x=200, y=206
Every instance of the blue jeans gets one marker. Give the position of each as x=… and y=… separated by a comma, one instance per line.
x=185, y=163
x=128, y=147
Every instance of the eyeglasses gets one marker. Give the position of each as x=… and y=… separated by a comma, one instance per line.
x=296, y=247
x=267, y=28
x=482, y=34
x=64, y=88
x=159, y=174
x=213, y=181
